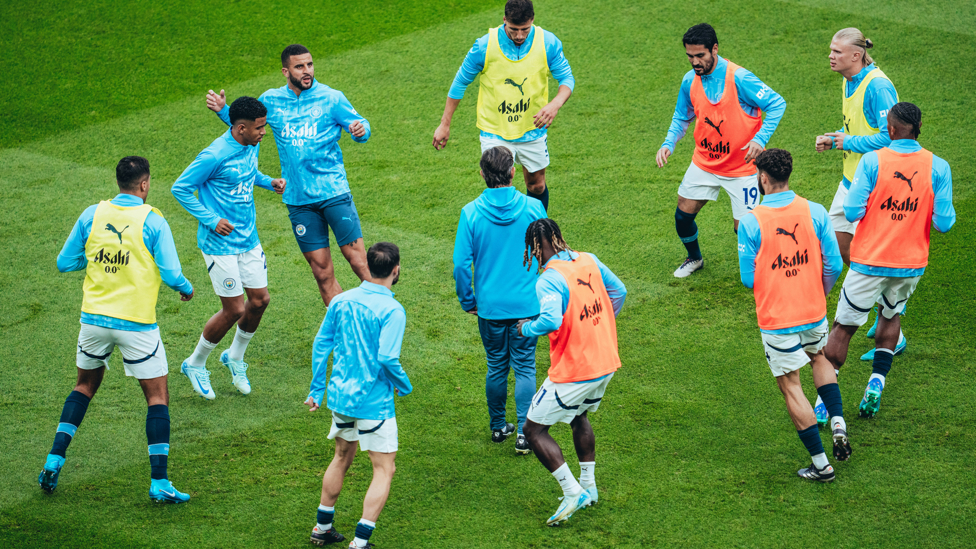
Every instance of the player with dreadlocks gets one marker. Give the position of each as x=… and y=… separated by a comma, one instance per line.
x=899, y=192
x=577, y=294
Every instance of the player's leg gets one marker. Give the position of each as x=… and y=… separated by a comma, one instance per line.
x=311, y=231
x=825, y=379
x=324, y=532
x=522, y=359
x=380, y=439
x=324, y=272
x=744, y=195
x=857, y=295
x=801, y=413
x=253, y=267
x=343, y=219
x=535, y=186
x=494, y=337
x=843, y=228
x=355, y=254
x=696, y=189
x=888, y=339
x=583, y=438
x=534, y=158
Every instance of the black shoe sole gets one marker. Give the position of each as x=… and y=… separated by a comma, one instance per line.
x=321, y=542
x=842, y=452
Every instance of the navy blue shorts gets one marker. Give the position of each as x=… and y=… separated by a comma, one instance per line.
x=311, y=222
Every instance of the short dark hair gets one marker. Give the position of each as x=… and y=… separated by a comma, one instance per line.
x=701, y=34
x=518, y=12
x=382, y=257
x=130, y=171
x=246, y=108
x=496, y=164
x=909, y=113
x=777, y=163
x=294, y=49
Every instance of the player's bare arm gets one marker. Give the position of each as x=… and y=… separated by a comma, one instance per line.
x=443, y=132
x=216, y=102
x=545, y=116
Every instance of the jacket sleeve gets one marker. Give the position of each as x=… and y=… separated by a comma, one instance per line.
x=615, y=288
x=755, y=93
x=321, y=349
x=943, y=215
x=684, y=113
x=865, y=178
x=344, y=114
x=391, y=338
x=750, y=238
x=471, y=67
x=463, y=258
x=72, y=256
x=193, y=177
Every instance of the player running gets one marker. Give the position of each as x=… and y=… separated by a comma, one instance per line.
x=868, y=96
x=307, y=119
x=514, y=62
x=730, y=132
x=490, y=233
x=127, y=248
x=364, y=328
x=577, y=294
x=788, y=255
x=898, y=193
x=224, y=175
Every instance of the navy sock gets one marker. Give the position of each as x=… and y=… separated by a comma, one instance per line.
x=830, y=394
x=73, y=412
x=157, y=433
x=688, y=232
x=882, y=362
x=810, y=437
x=324, y=517
x=544, y=197
x=363, y=531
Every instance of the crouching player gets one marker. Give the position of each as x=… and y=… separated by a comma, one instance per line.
x=580, y=298
x=788, y=254
x=364, y=328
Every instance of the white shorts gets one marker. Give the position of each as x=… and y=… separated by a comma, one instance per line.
x=861, y=292
x=837, y=218
x=555, y=402
x=374, y=435
x=533, y=155
x=701, y=185
x=786, y=353
x=230, y=274
x=143, y=355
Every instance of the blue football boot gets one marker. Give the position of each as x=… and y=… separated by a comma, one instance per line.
x=568, y=507
x=48, y=479
x=162, y=491
x=899, y=349
x=822, y=417
x=199, y=380
x=872, y=399
x=238, y=370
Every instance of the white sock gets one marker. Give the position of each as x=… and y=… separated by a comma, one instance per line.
x=838, y=421
x=587, y=477
x=324, y=527
x=571, y=488
x=237, y=348
x=878, y=376
x=820, y=460
x=818, y=402
x=199, y=357
x=358, y=541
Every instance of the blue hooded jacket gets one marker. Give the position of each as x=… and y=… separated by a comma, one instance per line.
x=491, y=234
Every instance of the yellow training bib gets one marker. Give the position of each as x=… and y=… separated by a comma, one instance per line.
x=122, y=279
x=855, y=122
x=512, y=92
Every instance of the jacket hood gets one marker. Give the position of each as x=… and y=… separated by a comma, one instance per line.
x=502, y=205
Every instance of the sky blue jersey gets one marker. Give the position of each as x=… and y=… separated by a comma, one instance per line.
x=866, y=177
x=363, y=327
x=750, y=238
x=306, y=130
x=159, y=241
x=224, y=175
x=879, y=97
x=474, y=63
x=552, y=291
x=754, y=96
x=491, y=234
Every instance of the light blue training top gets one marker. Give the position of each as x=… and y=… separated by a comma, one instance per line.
x=879, y=97
x=363, y=327
x=158, y=238
x=224, y=175
x=307, y=129
x=750, y=238
x=866, y=177
x=753, y=97
x=474, y=63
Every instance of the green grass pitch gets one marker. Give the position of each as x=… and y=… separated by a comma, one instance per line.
x=694, y=446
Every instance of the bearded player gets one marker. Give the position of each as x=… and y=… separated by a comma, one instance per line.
x=727, y=102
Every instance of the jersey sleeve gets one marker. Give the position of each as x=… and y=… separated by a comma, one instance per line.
x=322, y=347
x=865, y=178
x=224, y=114
x=471, y=67
x=553, y=294
x=684, y=113
x=943, y=214
x=558, y=64
x=615, y=288
x=833, y=263
x=193, y=177
x=756, y=94
x=878, y=100
x=750, y=238
x=391, y=339
x=463, y=258
x=160, y=242
x=344, y=114
x=72, y=256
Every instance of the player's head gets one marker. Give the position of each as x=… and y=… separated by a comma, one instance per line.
x=383, y=259
x=248, y=117
x=543, y=239
x=296, y=65
x=519, y=15
x=774, y=167
x=904, y=121
x=497, y=167
x=132, y=175
x=849, y=51
x=701, y=45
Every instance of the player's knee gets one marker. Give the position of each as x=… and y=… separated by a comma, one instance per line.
x=234, y=310
x=260, y=302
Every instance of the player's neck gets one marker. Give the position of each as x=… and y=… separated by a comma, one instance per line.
x=236, y=134
x=136, y=194
x=850, y=73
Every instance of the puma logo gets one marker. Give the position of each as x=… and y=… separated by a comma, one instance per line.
x=347, y=219
x=789, y=234
x=519, y=86
x=110, y=227
x=899, y=175
x=579, y=282
x=717, y=128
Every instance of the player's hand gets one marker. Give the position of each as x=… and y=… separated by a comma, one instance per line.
x=545, y=116
x=753, y=150
x=520, y=324
x=223, y=227
x=186, y=297
x=838, y=138
x=356, y=129
x=312, y=406
x=473, y=311
x=216, y=102
x=824, y=143
x=278, y=185
x=662, y=156
x=441, y=135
